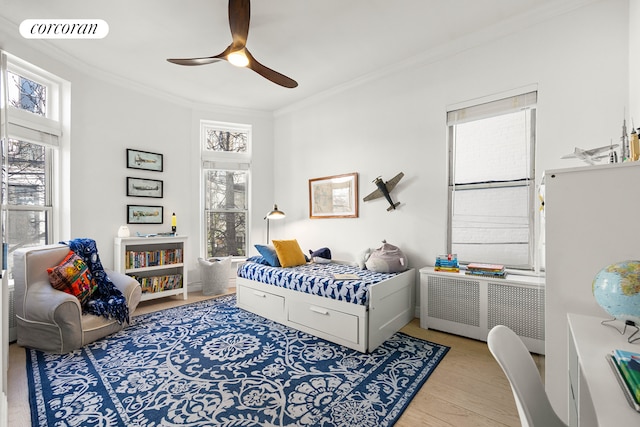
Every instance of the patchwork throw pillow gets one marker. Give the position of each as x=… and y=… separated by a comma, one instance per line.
x=73, y=277
x=289, y=253
x=269, y=254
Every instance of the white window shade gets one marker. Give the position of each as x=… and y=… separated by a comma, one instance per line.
x=27, y=126
x=210, y=164
x=493, y=149
x=493, y=108
x=33, y=135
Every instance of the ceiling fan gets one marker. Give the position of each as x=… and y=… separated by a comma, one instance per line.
x=237, y=52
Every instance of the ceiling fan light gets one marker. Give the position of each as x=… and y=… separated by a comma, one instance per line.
x=238, y=58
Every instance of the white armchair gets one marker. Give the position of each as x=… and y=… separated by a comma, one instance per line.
x=52, y=320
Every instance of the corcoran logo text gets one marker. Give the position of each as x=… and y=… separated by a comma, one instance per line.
x=64, y=29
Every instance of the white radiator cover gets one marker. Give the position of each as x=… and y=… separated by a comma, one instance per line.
x=471, y=306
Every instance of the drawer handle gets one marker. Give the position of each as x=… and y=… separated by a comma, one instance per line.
x=260, y=294
x=319, y=310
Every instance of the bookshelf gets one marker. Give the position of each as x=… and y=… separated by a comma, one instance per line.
x=156, y=262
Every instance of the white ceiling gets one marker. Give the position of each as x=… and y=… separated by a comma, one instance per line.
x=321, y=44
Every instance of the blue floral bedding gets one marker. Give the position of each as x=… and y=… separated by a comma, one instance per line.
x=317, y=279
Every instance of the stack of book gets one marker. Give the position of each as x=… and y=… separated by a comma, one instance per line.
x=486, y=270
x=447, y=262
x=626, y=365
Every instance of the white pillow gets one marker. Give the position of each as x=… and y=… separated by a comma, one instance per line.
x=362, y=257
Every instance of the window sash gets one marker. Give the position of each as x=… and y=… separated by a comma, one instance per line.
x=218, y=219
x=241, y=157
x=504, y=231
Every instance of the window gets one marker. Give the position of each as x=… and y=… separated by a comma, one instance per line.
x=31, y=130
x=225, y=170
x=491, y=182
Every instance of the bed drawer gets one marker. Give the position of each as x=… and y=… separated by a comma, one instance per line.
x=328, y=321
x=262, y=303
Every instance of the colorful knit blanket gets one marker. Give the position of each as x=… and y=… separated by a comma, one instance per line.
x=106, y=300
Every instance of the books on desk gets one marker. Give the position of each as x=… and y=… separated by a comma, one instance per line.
x=626, y=366
x=486, y=270
x=448, y=262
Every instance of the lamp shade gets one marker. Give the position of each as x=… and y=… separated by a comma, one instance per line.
x=275, y=213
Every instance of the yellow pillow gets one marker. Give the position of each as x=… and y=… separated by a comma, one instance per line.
x=289, y=253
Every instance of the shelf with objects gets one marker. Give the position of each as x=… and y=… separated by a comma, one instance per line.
x=157, y=263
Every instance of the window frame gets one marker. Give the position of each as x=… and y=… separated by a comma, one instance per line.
x=485, y=109
x=224, y=161
x=29, y=127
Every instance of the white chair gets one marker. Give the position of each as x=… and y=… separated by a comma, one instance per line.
x=534, y=407
x=214, y=274
x=52, y=320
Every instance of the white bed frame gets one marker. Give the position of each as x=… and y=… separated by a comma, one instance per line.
x=360, y=327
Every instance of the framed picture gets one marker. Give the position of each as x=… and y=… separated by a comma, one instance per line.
x=142, y=214
x=140, y=187
x=334, y=196
x=137, y=159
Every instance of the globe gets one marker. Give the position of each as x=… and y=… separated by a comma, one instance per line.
x=617, y=290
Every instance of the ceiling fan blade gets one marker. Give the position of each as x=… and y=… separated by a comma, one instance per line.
x=194, y=61
x=239, y=17
x=268, y=73
x=202, y=61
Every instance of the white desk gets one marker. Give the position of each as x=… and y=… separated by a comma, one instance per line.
x=595, y=397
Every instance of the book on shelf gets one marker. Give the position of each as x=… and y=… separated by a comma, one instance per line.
x=626, y=367
x=499, y=275
x=447, y=257
x=486, y=270
x=448, y=262
x=485, y=267
x=449, y=269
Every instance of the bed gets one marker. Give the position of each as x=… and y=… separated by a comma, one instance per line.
x=357, y=313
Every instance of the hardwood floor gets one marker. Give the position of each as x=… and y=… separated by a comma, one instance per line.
x=467, y=388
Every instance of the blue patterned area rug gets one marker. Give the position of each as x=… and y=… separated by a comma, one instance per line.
x=212, y=364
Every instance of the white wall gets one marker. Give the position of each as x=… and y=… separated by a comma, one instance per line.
x=109, y=115
x=397, y=123
x=634, y=61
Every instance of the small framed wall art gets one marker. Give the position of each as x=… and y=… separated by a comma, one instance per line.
x=137, y=159
x=143, y=214
x=141, y=187
x=334, y=196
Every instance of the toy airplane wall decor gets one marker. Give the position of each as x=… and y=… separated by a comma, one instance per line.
x=592, y=155
x=384, y=188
